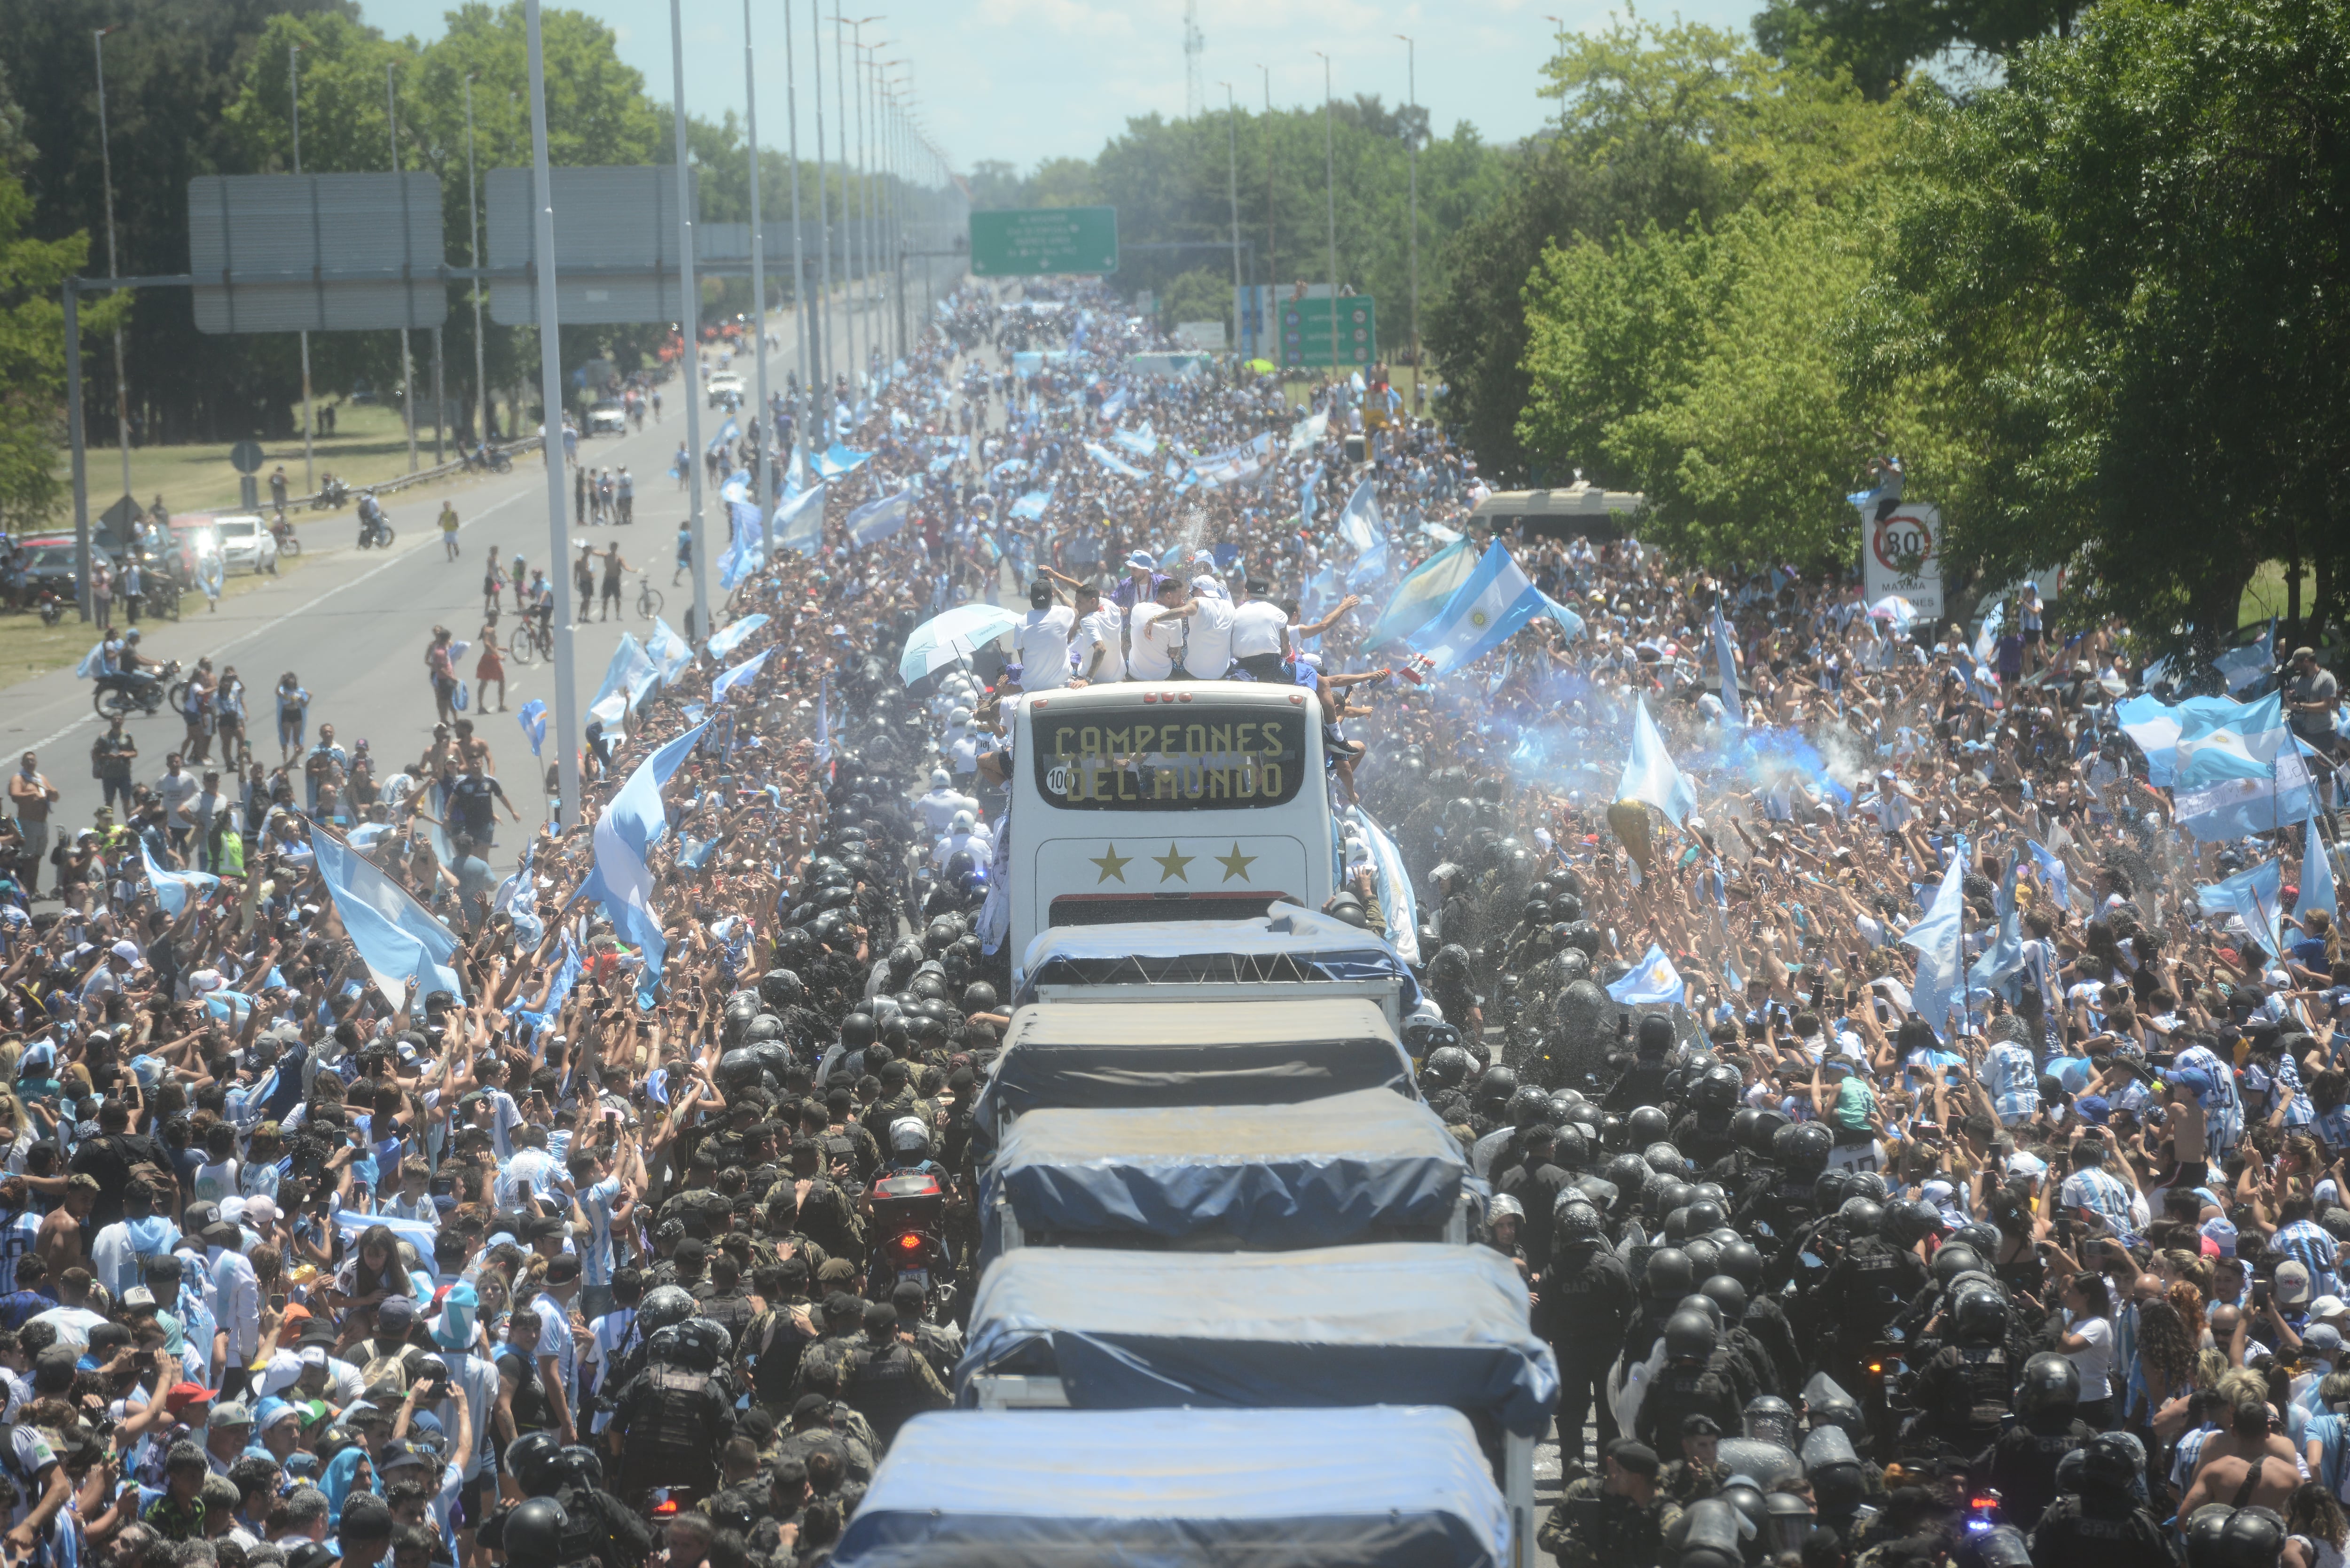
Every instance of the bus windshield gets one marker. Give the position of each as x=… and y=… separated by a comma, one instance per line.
x=1207, y=755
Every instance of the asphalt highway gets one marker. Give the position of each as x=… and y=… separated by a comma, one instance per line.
x=354, y=625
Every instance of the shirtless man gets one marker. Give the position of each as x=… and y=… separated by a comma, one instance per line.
x=2266, y=1481
x=62, y=1239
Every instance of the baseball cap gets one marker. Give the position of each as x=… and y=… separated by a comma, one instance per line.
x=2094, y=1108
x=126, y=951
x=2322, y=1337
x=2327, y=1306
x=2291, y=1283
x=183, y=1395
x=233, y=1412
x=2220, y=1232
x=1140, y=560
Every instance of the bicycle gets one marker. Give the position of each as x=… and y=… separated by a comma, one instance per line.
x=648, y=598
x=531, y=641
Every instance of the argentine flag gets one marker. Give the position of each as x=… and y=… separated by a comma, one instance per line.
x=1942, y=955
x=800, y=521
x=624, y=836
x=1650, y=774
x=1496, y=600
x=1360, y=523
x=1653, y=978
x=877, y=520
x=1726, y=666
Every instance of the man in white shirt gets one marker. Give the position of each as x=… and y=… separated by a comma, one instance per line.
x=1259, y=632
x=1208, y=650
x=1042, y=640
x=1158, y=628
x=1098, y=647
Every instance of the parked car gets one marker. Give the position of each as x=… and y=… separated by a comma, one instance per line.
x=245, y=542
x=48, y=562
x=609, y=417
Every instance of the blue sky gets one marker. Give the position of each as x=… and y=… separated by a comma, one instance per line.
x=1021, y=81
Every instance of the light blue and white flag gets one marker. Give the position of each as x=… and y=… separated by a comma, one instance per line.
x=728, y=434
x=518, y=896
x=877, y=520
x=1396, y=898
x=736, y=489
x=92, y=663
x=836, y=462
x=1495, y=600
x=1141, y=442
x=172, y=887
x=1725, y=663
x=748, y=552
x=1113, y=406
x=1423, y=593
x=1652, y=979
x=624, y=836
x=2004, y=957
x=2058, y=876
x=722, y=643
x=1648, y=772
x=1112, y=461
x=532, y=716
x=2258, y=898
x=800, y=521
x=406, y=950
x=1369, y=572
x=627, y=679
x=1309, y=432
x=1360, y=523
x=745, y=672
x=2213, y=747
x=2316, y=869
x=1032, y=505
x=670, y=652
x=1942, y=954
x=2251, y=664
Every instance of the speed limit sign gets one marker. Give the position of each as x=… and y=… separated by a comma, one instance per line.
x=1901, y=553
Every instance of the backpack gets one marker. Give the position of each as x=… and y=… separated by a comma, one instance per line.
x=386, y=1369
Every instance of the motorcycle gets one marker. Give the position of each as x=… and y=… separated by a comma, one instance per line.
x=331, y=496
x=375, y=528
x=52, y=608
x=289, y=542
x=907, y=1214
x=133, y=696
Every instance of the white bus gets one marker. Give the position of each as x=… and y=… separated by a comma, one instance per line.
x=1166, y=800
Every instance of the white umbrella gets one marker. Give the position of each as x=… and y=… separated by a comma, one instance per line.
x=946, y=642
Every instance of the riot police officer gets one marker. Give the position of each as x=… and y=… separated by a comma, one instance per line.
x=1963, y=1391
x=2100, y=1524
x=2048, y=1427
x=1586, y=1303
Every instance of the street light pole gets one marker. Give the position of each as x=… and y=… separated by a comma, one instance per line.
x=294, y=94
x=1411, y=140
x=819, y=341
x=799, y=250
x=759, y=418
x=473, y=259
x=113, y=260
x=407, y=364
x=550, y=381
x=1232, y=182
x=1271, y=262
x=689, y=304
x=1330, y=161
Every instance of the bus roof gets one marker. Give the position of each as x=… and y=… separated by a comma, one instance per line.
x=1320, y=1173
x=1120, y=695
x=1287, y=945
x=1391, y=1323
x=1387, y=1487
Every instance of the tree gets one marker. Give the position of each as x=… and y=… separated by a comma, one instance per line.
x=2123, y=274
x=32, y=359
x=1203, y=294
x=1665, y=131
x=1875, y=42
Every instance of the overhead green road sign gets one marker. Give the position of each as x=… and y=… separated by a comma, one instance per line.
x=1043, y=242
x=1305, y=331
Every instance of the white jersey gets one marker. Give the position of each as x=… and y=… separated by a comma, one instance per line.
x=1100, y=632
x=1042, y=640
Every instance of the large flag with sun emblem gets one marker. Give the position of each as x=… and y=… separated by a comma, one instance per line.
x=1494, y=601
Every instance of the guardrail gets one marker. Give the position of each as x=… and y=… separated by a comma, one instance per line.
x=422, y=476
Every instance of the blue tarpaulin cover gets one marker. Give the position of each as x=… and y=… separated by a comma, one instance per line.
x=1395, y=1487
x=1289, y=944
x=1099, y=1055
x=1319, y=1174
x=1400, y=1324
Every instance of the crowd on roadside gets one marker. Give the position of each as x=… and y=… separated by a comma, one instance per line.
x=312, y=1258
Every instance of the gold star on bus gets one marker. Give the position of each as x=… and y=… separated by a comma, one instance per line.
x=1173, y=864
x=1235, y=864
x=1112, y=864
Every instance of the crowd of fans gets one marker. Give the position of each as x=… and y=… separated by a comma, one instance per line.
x=292, y=1271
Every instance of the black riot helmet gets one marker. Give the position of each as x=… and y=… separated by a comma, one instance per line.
x=1495, y=1088
x=1718, y=1090
x=1729, y=1293
x=1646, y=1124
x=1829, y=1190
x=2051, y=1385
x=2250, y=1538
x=529, y=1459
x=1447, y=1067
x=1979, y=1317
x=1955, y=1259
x=535, y=1529
x=1742, y=1262
x=2111, y=1460
x=1528, y=1107
x=1575, y=1223
x=1801, y=1149
x=1689, y=1335
x=662, y=1306
x=1669, y=1274
x=1655, y=1034
x=1770, y=1420
x=857, y=1030
x=1628, y=1173
x=1860, y=1216
x=1665, y=1159
x=1705, y=1214
x=1764, y=1134
x=780, y=988
x=1742, y=1126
